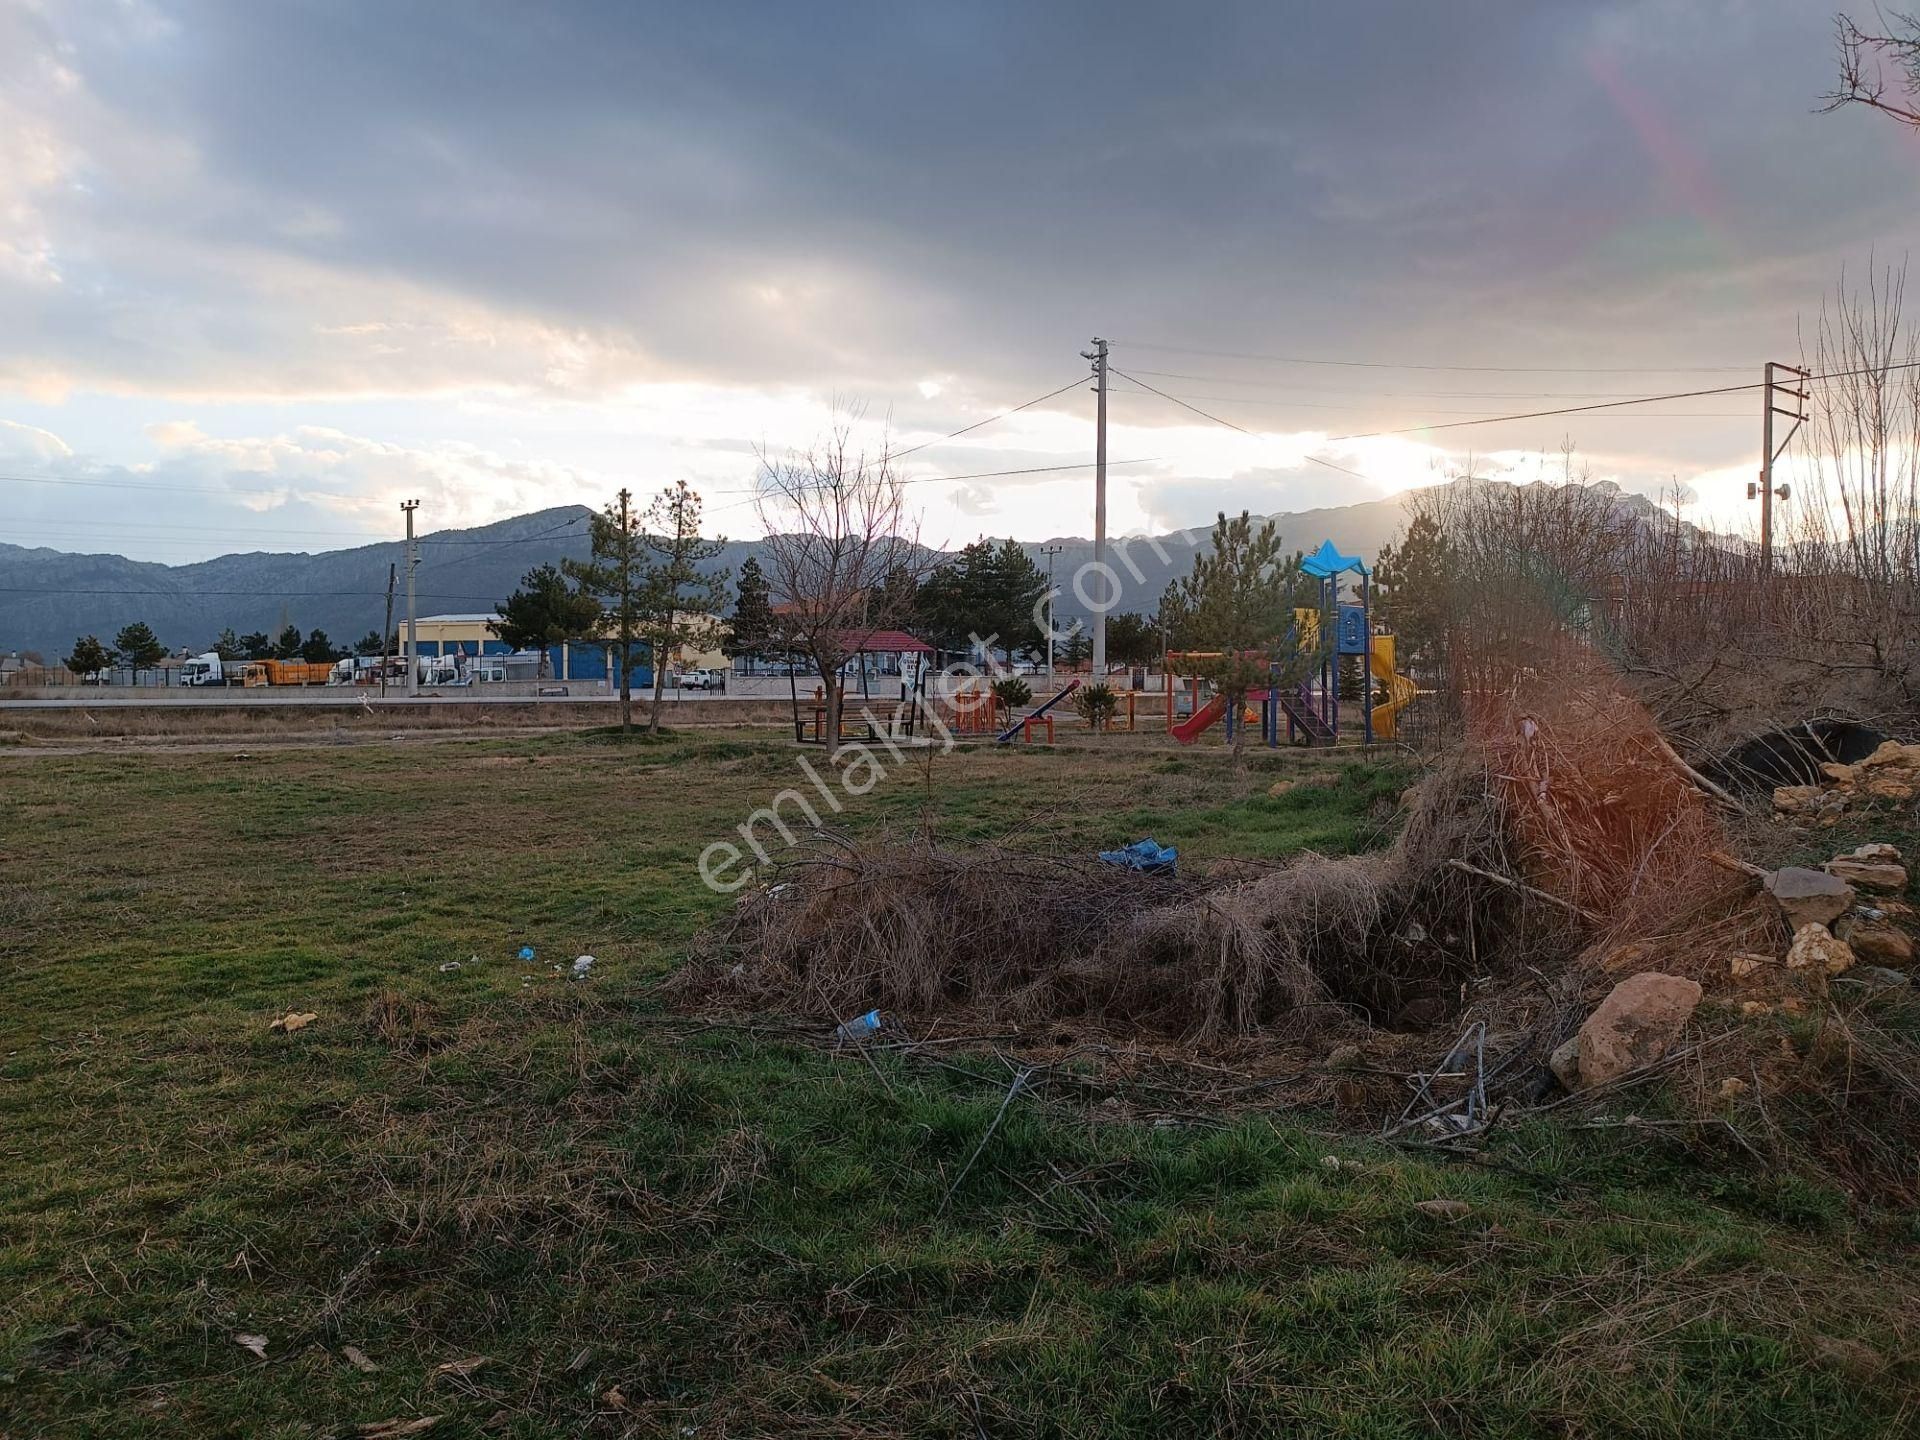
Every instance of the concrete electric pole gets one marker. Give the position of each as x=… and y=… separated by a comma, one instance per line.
x=413, y=633
x=1769, y=452
x=1050, y=551
x=1098, y=355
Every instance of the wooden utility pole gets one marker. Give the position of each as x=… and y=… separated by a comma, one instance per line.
x=386, y=635
x=1098, y=355
x=1769, y=452
x=413, y=633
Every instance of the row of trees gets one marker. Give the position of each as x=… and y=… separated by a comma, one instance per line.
x=138, y=648
x=642, y=585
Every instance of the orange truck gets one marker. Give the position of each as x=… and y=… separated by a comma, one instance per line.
x=254, y=673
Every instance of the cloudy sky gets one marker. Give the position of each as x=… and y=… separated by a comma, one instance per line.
x=268, y=268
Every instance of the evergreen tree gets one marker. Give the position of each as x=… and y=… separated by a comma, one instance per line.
x=647, y=568
x=1413, y=592
x=227, y=646
x=286, y=645
x=1132, y=639
x=989, y=591
x=138, y=646
x=752, y=620
x=317, y=649
x=89, y=656
x=256, y=646
x=370, y=645
x=545, y=611
x=1238, y=602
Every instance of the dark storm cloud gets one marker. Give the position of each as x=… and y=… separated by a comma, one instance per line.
x=857, y=195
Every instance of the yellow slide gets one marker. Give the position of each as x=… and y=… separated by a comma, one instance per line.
x=1400, y=689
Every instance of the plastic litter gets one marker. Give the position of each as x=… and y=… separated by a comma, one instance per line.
x=858, y=1028
x=582, y=964
x=526, y=952
x=1144, y=855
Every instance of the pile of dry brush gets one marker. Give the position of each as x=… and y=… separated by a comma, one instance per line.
x=912, y=926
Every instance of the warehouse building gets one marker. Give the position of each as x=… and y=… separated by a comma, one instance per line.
x=473, y=635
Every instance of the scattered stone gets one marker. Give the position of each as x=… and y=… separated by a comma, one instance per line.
x=1279, y=788
x=1890, y=773
x=1741, y=966
x=1444, y=1209
x=357, y=1358
x=1565, y=1063
x=1796, y=799
x=1733, y=1087
x=1881, y=943
x=1885, y=879
x=293, y=1020
x=1343, y=1057
x=253, y=1344
x=1754, y=1009
x=1871, y=867
x=1635, y=1025
x=1809, y=897
x=1836, y=772
x=1816, y=951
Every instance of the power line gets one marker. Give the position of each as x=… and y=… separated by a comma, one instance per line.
x=1072, y=384
x=1230, y=425
x=1269, y=383
x=1468, y=369
x=1361, y=405
x=1617, y=404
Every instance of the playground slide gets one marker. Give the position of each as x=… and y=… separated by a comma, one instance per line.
x=1400, y=689
x=1188, y=730
x=1007, y=735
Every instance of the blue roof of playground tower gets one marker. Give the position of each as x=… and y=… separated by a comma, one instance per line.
x=1327, y=562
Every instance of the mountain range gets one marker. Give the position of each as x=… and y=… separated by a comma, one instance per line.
x=48, y=598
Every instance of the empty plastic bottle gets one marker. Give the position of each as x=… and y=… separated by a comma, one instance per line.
x=858, y=1028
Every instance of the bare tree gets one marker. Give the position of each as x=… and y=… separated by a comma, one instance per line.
x=1865, y=60
x=838, y=540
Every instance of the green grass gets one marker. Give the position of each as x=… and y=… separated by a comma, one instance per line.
x=745, y=1235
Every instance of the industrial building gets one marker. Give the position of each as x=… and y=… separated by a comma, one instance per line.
x=473, y=635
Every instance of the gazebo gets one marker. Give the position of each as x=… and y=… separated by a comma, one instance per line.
x=913, y=664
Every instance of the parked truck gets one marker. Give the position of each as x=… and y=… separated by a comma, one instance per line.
x=207, y=669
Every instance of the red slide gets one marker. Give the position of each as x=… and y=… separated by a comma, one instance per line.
x=1188, y=730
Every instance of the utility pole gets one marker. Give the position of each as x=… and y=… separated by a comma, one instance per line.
x=1050, y=551
x=386, y=635
x=1098, y=355
x=1769, y=452
x=413, y=633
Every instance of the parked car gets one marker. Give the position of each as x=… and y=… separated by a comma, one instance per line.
x=701, y=680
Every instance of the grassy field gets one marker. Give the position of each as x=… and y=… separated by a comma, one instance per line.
x=648, y=1227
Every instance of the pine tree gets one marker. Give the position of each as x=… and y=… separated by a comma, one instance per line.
x=1238, y=602
x=545, y=611
x=752, y=621
x=138, y=646
x=1413, y=591
x=89, y=656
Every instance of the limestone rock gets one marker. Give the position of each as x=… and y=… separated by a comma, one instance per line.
x=1881, y=944
x=1871, y=867
x=1279, y=788
x=1635, y=1025
x=1890, y=773
x=1836, y=772
x=1817, y=952
x=1627, y=959
x=1809, y=897
x=1741, y=966
x=1565, y=1063
x=1796, y=799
